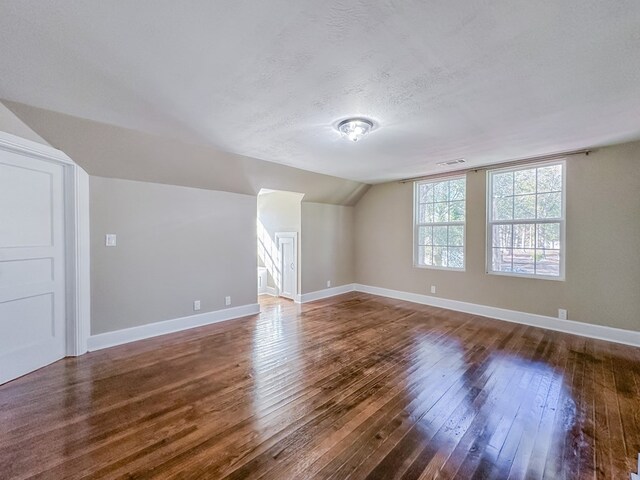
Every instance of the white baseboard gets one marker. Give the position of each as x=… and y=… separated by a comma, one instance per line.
x=118, y=337
x=326, y=293
x=600, y=332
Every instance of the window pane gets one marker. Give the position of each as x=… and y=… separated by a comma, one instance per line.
x=440, y=236
x=524, y=181
x=440, y=256
x=456, y=236
x=550, y=205
x=440, y=212
x=548, y=262
x=425, y=193
x=425, y=213
x=456, y=211
x=548, y=235
x=424, y=256
x=455, y=257
x=502, y=236
x=441, y=192
x=550, y=179
x=425, y=235
x=502, y=184
x=524, y=207
x=503, y=208
x=524, y=260
x=457, y=189
x=524, y=235
x=501, y=260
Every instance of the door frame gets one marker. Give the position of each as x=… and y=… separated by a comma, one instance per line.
x=294, y=236
x=77, y=240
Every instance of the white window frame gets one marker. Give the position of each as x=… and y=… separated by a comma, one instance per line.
x=562, y=221
x=416, y=225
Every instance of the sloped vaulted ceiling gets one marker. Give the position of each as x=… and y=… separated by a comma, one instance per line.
x=109, y=151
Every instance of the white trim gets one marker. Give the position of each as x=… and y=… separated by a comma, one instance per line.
x=600, y=332
x=133, y=334
x=77, y=241
x=23, y=146
x=326, y=293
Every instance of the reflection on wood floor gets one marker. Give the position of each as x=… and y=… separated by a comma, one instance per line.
x=355, y=386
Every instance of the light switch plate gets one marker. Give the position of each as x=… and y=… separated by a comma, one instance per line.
x=110, y=240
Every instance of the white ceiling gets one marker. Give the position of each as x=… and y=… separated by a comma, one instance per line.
x=486, y=80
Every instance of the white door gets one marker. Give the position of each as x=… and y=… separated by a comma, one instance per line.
x=289, y=262
x=32, y=264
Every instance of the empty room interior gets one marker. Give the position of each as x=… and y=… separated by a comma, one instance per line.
x=319, y=240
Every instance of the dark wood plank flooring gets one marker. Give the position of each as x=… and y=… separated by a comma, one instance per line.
x=356, y=386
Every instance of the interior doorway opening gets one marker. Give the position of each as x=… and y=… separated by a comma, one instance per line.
x=279, y=225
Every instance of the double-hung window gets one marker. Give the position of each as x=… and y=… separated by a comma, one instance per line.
x=439, y=223
x=526, y=221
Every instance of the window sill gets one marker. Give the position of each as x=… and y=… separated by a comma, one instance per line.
x=446, y=269
x=524, y=275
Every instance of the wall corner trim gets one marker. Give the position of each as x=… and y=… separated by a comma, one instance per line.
x=600, y=332
x=327, y=292
x=141, y=332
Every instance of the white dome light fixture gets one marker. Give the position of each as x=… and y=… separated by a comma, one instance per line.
x=355, y=128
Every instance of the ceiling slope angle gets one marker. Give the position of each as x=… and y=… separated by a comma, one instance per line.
x=441, y=80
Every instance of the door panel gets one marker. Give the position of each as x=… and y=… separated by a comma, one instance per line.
x=289, y=267
x=32, y=264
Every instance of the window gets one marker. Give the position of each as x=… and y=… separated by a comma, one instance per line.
x=526, y=221
x=439, y=223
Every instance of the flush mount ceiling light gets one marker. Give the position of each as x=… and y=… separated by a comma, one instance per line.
x=355, y=128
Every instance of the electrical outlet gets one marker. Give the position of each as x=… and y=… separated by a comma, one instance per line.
x=227, y=301
x=196, y=305
x=328, y=283
x=110, y=240
x=562, y=314
x=433, y=289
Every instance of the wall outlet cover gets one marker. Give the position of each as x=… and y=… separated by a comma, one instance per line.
x=328, y=283
x=433, y=289
x=227, y=301
x=196, y=305
x=562, y=314
x=110, y=240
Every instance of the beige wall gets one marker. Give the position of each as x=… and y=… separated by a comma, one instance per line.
x=327, y=246
x=175, y=245
x=602, y=255
x=279, y=212
x=10, y=123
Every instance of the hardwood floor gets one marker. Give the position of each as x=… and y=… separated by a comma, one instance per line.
x=356, y=386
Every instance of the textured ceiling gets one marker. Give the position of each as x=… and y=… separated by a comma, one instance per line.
x=485, y=80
